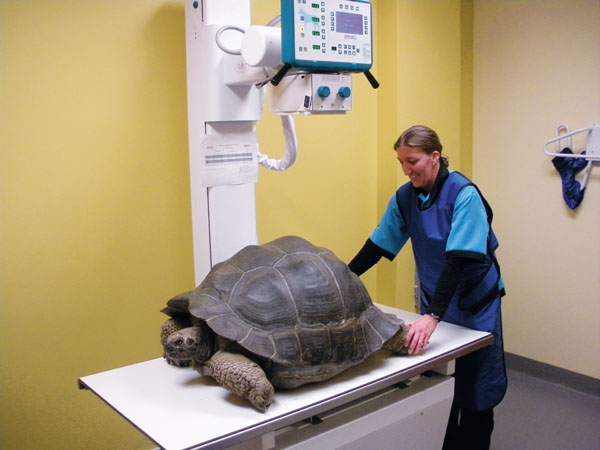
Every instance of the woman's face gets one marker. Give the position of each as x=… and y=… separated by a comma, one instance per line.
x=421, y=168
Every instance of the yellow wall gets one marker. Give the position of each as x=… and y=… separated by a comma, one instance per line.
x=536, y=68
x=95, y=228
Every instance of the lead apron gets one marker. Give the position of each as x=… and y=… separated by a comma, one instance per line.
x=481, y=375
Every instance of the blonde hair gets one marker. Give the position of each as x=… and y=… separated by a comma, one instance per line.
x=423, y=138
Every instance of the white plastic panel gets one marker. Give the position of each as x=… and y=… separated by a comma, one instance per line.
x=413, y=417
x=232, y=213
x=312, y=93
x=230, y=12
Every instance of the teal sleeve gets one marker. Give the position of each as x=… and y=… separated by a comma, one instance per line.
x=390, y=234
x=469, y=231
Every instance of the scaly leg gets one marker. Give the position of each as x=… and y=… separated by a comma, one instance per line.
x=396, y=342
x=242, y=376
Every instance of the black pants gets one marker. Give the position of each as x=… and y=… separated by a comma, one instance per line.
x=469, y=430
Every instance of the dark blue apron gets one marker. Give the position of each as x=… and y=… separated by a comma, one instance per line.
x=481, y=375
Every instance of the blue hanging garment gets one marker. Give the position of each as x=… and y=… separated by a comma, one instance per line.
x=568, y=168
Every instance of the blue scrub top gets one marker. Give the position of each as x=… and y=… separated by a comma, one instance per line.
x=468, y=233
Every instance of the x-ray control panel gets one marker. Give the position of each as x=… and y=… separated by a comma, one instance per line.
x=327, y=35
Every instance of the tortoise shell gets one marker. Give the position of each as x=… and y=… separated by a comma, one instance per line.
x=297, y=307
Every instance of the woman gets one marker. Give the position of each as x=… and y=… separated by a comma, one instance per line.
x=449, y=224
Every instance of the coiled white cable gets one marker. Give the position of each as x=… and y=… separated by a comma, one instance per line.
x=291, y=148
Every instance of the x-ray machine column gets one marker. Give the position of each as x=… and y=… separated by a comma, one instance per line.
x=224, y=217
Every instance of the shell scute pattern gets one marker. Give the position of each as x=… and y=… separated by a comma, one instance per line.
x=344, y=345
x=262, y=299
x=381, y=323
x=262, y=344
x=313, y=288
x=207, y=303
x=254, y=256
x=315, y=345
x=229, y=326
x=289, y=350
x=354, y=295
x=221, y=279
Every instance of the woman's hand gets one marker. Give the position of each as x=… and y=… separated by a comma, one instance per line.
x=419, y=333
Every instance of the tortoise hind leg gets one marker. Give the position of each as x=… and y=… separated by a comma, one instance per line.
x=242, y=376
x=396, y=342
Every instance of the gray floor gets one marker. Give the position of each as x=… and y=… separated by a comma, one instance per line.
x=538, y=414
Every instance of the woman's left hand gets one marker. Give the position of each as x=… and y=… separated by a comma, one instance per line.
x=419, y=333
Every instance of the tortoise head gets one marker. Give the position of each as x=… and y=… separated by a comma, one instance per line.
x=195, y=343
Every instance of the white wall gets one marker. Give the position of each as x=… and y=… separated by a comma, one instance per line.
x=536, y=65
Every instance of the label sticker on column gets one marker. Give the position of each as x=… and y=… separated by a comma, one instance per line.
x=224, y=162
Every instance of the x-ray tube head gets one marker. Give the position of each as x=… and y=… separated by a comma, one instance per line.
x=261, y=46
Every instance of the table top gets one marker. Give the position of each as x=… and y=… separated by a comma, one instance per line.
x=179, y=409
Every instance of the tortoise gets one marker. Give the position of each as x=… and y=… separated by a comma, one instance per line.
x=278, y=315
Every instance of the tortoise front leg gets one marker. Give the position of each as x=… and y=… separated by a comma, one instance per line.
x=242, y=376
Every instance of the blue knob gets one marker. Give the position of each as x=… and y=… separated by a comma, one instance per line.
x=323, y=91
x=344, y=92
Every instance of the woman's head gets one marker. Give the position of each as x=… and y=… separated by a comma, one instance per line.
x=419, y=152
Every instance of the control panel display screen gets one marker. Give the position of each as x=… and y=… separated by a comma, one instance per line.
x=348, y=23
